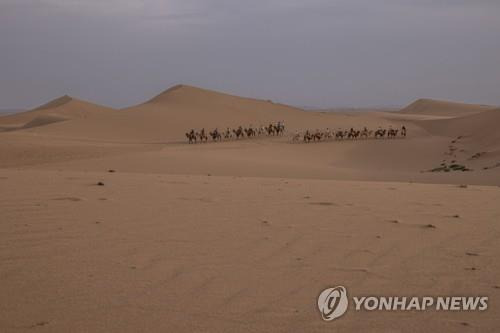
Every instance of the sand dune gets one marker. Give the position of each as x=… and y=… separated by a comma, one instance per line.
x=55, y=103
x=481, y=127
x=182, y=107
x=59, y=109
x=166, y=117
x=443, y=108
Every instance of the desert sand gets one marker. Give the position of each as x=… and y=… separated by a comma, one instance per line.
x=443, y=108
x=242, y=236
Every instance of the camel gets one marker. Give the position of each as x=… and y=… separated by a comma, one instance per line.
x=216, y=136
x=307, y=137
x=239, y=133
x=202, y=135
x=403, y=131
x=250, y=132
x=365, y=133
x=317, y=136
x=353, y=134
x=392, y=133
x=191, y=136
x=380, y=133
x=279, y=128
x=271, y=130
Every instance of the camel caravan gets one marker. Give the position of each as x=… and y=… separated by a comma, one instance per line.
x=201, y=136
x=352, y=134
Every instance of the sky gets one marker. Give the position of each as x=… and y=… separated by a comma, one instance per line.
x=314, y=53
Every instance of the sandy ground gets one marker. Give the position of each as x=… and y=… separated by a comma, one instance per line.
x=200, y=253
x=241, y=236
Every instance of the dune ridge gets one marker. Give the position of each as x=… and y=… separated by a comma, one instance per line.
x=443, y=108
x=58, y=110
x=55, y=103
x=183, y=91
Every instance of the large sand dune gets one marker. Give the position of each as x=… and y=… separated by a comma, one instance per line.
x=60, y=109
x=481, y=127
x=241, y=236
x=443, y=108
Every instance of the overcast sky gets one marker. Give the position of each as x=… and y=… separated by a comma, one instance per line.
x=309, y=53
